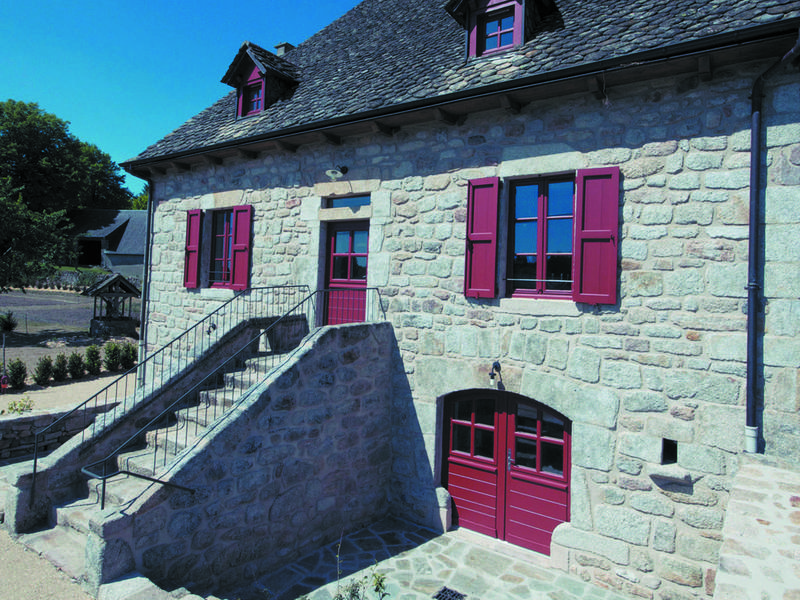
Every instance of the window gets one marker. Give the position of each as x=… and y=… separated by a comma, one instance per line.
x=347, y=202
x=541, y=216
x=226, y=250
x=562, y=233
x=251, y=95
x=496, y=31
x=495, y=25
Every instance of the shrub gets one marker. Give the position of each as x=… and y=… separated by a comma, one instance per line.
x=75, y=365
x=18, y=407
x=128, y=355
x=93, y=363
x=43, y=371
x=112, y=354
x=17, y=373
x=60, y=369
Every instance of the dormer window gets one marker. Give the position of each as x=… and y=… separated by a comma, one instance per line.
x=496, y=30
x=495, y=25
x=252, y=99
x=260, y=78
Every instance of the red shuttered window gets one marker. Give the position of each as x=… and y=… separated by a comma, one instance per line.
x=227, y=251
x=562, y=237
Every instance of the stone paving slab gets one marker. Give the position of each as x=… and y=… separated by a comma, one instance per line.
x=760, y=555
x=418, y=563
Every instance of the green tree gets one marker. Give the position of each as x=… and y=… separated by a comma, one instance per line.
x=34, y=245
x=140, y=202
x=52, y=169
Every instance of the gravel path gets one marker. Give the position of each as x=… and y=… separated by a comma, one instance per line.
x=27, y=576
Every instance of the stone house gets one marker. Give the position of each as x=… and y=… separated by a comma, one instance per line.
x=580, y=220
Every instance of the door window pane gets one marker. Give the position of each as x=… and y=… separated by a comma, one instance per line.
x=552, y=426
x=525, y=453
x=461, y=438
x=525, y=237
x=359, y=267
x=527, y=417
x=360, y=239
x=484, y=412
x=484, y=443
x=339, y=267
x=342, y=242
x=559, y=272
x=463, y=410
x=552, y=459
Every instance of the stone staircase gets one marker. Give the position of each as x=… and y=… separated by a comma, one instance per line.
x=64, y=540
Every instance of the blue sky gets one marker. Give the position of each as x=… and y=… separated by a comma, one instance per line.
x=124, y=73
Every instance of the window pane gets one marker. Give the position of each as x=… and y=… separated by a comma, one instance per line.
x=491, y=42
x=491, y=27
x=559, y=272
x=526, y=201
x=360, y=242
x=507, y=22
x=524, y=268
x=484, y=443
x=463, y=410
x=560, y=198
x=506, y=39
x=359, y=267
x=527, y=417
x=484, y=412
x=559, y=235
x=342, y=242
x=525, y=237
x=552, y=426
x=525, y=453
x=352, y=202
x=461, y=438
x=339, y=267
x=552, y=459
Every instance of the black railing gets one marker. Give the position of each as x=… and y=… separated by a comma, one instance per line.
x=177, y=427
x=171, y=360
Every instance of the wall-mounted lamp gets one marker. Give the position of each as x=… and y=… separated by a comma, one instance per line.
x=211, y=328
x=495, y=373
x=337, y=172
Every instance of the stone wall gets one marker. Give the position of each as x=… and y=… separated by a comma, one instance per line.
x=667, y=362
x=17, y=432
x=303, y=458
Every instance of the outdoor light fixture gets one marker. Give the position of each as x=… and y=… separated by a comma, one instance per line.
x=495, y=372
x=337, y=172
x=211, y=328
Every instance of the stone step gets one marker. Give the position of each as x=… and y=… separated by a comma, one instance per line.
x=201, y=415
x=62, y=546
x=175, y=438
x=120, y=490
x=220, y=397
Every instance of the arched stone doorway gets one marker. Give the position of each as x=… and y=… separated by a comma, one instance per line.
x=507, y=466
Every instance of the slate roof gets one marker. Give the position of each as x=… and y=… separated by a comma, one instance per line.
x=125, y=229
x=266, y=61
x=389, y=53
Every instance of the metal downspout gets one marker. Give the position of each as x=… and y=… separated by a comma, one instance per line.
x=146, y=277
x=753, y=283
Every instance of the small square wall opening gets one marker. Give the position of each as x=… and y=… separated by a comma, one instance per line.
x=669, y=452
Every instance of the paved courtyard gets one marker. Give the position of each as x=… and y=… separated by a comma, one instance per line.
x=418, y=564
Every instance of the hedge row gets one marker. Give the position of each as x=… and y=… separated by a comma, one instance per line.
x=116, y=357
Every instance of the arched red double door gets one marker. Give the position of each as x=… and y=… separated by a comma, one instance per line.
x=507, y=466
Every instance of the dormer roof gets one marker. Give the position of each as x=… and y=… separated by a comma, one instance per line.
x=267, y=63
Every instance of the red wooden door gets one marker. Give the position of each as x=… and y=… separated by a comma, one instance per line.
x=346, y=273
x=507, y=467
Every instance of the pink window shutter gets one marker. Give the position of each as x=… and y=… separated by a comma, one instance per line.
x=242, y=218
x=191, y=264
x=596, y=243
x=481, y=255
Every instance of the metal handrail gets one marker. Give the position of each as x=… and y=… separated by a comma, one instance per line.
x=172, y=359
x=362, y=303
